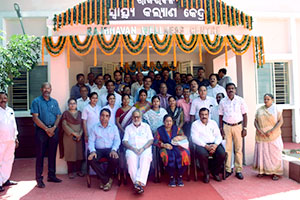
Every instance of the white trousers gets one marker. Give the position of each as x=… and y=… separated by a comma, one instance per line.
x=139, y=165
x=7, y=155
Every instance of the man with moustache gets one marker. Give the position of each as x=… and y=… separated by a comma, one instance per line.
x=206, y=135
x=214, y=88
x=138, y=141
x=104, y=142
x=202, y=101
x=100, y=87
x=46, y=115
x=8, y=141
x=233, y=126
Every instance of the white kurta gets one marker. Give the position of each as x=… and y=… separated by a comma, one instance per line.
x=8, y=135
x=138, y=165
x=212, y=92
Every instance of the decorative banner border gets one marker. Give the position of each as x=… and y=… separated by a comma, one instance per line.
x=160, y=46
x=99, y=12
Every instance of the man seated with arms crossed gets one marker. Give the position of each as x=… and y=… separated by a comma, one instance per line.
x=138, y=140
x=207, y=137
x=104, y=141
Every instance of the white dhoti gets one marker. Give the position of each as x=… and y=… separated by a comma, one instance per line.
x=139, y=165
x=7, y=155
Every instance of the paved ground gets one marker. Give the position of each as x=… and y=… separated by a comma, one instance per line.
x=250, y=188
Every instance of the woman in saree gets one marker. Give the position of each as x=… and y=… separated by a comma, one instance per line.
x=269, y=145
x=175, y=112
x=142, y=104
x=70, y=139
x=124, y=114
x=173, y=156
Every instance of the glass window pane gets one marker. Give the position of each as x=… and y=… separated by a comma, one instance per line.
x=37, y=76
x=265, y=81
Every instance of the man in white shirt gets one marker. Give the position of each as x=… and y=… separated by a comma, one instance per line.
x=84, y=99
x=214, y=88
x=207, y=137
x=8, y=141
x=104, y=142
x=100, y=88
x=138, y=140
x=202, y=101
x=102, y=100
x=194, y=87
x=233, y=126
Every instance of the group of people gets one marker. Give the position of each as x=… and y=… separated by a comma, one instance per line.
x=107, y=118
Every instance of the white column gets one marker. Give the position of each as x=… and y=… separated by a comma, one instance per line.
x=294, y=81
x=59, y=78
x=247, y=89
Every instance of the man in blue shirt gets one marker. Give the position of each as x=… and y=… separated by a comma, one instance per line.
x=104, y=142
x=75, y=90
x=46, y=115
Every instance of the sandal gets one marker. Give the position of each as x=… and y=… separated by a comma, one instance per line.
x=275, y=177
x=71, y=175
x=260, y=175
x=80, y=174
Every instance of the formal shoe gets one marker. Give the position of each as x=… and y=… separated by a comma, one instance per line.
x=217, y=178
x=9, y=182
x=40, y=184
x=71, y=175
x=206, y=178
x=239, y=175
x=172, y=182
x=54, y=180
x=1, y=189
x=180, y=182
x=228, y=174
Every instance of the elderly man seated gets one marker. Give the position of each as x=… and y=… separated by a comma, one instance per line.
x=138, y=140
x=104, y=141
x=206, y=135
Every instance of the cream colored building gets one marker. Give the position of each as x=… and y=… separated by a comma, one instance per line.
x=277, y=21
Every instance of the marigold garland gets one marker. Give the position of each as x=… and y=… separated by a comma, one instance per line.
x=161, y=47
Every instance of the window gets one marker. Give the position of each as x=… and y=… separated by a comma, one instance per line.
x=274, y=78
x=27, y=87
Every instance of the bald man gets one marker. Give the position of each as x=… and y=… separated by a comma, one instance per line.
x=46, y=115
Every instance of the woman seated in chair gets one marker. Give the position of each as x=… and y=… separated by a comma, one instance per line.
x=173, y=155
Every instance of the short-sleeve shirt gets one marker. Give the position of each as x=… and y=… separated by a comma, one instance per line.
x=137, y=137
x=91, y=115
x=186, y=107
x=212, y=92
x=233, y=110
x=47, y=110
x=198, y=103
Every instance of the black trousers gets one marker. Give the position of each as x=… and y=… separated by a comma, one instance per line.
x=43, y=143
x=104, y=175
x=215, y=163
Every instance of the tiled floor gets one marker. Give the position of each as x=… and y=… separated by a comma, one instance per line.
x=249, y=188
